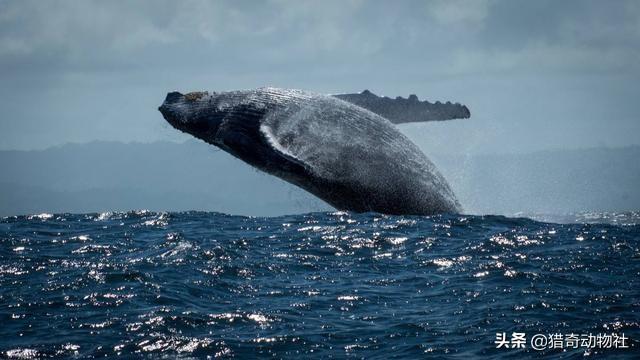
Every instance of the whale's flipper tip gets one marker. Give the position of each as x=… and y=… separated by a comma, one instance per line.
x=401, y=110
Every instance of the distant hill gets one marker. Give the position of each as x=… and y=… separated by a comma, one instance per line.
x=104, y=176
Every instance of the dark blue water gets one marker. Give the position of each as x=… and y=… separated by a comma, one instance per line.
x=313, y=286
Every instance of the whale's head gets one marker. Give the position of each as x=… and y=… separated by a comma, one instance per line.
x=229, y=120
x=232, y=121
x=197, y=113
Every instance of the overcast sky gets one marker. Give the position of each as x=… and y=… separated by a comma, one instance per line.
x=535, y=74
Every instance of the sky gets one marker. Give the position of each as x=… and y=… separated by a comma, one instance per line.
x=536, y=75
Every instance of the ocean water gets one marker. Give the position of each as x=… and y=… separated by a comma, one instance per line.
x=319, y=285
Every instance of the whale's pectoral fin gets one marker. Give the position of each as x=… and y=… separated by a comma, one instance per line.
x=284, y=160
x=401, y=110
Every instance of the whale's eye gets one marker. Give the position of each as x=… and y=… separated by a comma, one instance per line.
x=193, y=96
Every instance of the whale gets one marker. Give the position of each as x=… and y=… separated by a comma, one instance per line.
x=345, y=154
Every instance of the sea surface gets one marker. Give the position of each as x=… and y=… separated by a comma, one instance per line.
x=318, y=285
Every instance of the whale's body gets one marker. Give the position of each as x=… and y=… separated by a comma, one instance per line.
x=348, y=156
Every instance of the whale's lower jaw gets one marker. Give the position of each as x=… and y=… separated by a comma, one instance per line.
x=347, y=196
x=343, y=198
x=342, y=195
x=355, y=198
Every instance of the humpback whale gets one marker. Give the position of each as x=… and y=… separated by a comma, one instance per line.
x=339, y=148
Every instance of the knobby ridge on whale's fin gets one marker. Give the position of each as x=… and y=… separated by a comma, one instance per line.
x=401, y=110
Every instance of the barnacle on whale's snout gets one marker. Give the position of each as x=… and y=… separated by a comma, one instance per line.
x=196, y=95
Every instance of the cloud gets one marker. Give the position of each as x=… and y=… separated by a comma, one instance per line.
x=94, y=34
x=461, y=12
x=544, y=59
x=74, y=27
x=104, y=52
